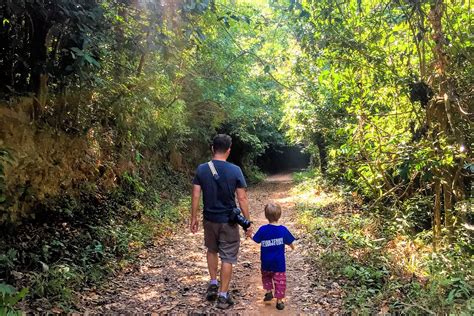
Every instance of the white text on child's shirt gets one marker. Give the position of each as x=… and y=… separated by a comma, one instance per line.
x=272, y=242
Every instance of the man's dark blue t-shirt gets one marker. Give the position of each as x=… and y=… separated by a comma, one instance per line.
x=219, y=200
x=273, y=239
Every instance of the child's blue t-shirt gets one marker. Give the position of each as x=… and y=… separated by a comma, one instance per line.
x=273, y=239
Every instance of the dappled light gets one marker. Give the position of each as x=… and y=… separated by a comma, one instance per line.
x=355, y=117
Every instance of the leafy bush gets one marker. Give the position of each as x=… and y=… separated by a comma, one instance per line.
x=83, y=239
x=56, y=282
x=254, y=175
x=383, y=269
x=9, y=297
x=415, y=214
x=8, y=261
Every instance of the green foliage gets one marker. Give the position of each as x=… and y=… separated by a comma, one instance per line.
x=9, y=297
x=377, y=97
x=8, y=260
x=364, y=69
x=57, y=282
x=254, y=175
x=308, y=179
x=82, y=240
x=382, y=269
x=132, y=184
x=414, y=215
x=241, y=50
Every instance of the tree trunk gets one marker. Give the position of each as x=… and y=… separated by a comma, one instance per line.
x=38, y=59
x=141, y=64
x=436, y=114
x=323, y=159
x=440, y=120
x=448, y=212
x=437, y=215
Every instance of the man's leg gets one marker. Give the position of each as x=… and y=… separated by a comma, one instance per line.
x=229, y=242
x=226, y=275
x=212, y=262
x=210, y=240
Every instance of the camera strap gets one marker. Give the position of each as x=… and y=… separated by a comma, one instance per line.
x=213, y=170
x=216, y=177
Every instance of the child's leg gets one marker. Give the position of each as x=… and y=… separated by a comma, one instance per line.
x=267, y=280
x=279, y=279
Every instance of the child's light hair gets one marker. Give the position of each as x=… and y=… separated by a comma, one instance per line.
x=272, y=212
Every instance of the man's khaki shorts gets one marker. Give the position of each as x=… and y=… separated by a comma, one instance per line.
x=222, y=238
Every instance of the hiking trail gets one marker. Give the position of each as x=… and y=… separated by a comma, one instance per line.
x=171, y=277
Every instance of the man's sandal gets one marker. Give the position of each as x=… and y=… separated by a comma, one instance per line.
x=211, y=294
x=225, y=303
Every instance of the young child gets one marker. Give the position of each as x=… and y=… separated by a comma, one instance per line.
x=273, y=238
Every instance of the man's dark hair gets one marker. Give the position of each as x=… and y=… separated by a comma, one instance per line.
x=221, y=143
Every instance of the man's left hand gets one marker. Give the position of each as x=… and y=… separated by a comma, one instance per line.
x=249, y=232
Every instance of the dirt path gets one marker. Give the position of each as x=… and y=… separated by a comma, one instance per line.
x=173, y=277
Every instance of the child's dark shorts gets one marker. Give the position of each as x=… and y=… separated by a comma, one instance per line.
x=222, y=238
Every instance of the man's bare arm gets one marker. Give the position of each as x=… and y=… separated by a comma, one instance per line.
x=243, y=202
x=244, y=206
x=195, y=196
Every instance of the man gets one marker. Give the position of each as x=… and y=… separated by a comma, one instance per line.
x=221, y=238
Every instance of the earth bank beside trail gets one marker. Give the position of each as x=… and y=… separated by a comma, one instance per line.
x=172, y=276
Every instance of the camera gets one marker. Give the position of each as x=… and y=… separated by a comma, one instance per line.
x=237, y=217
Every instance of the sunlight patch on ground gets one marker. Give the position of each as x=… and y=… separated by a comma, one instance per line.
x=407, y=256
x=284, y=200
x=149, y=294
x=315, y=198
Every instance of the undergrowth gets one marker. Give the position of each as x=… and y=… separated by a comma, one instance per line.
x=254, y=175
x=385, y=268
x=77, y=241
